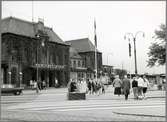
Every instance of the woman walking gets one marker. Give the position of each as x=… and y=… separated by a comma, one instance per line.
x=117, y=83
x=145, y=86
x=140, y=87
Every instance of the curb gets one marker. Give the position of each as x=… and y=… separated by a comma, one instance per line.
x=143, y=115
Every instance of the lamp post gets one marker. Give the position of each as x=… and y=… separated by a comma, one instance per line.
x=127, y=35
x=20, y=74
x=9, y=76
x=39, y=38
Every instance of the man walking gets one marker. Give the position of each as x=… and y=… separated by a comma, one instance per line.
x=135, y=88
x=126, y=86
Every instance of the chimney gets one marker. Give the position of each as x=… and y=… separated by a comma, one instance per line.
x=40, y=24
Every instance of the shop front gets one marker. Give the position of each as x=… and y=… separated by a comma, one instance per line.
x=53, y=75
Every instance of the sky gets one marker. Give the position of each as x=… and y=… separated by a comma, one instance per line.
x=75, y=20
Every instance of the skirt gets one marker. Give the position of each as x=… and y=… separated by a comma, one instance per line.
x=117, y=91
x=144, y=89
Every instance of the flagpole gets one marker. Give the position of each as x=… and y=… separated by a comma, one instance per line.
x=130, y=59
x=95, y=39
x=96, y=62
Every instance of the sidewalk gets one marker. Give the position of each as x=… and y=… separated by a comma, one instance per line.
x=116, y=114
x=108, y=95
x=158, y=112
x=51, y=90
x=151, y=94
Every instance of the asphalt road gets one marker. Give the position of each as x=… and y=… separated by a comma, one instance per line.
x=52, y=105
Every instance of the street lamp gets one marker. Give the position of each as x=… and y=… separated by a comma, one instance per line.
x=43, y=44
x=20, y=74
x=10, y=73
x=127, y=35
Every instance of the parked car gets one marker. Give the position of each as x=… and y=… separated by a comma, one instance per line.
x=9, y=88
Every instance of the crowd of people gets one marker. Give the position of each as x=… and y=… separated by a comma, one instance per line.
x=89, y=86
x=38, y=86
x=139, y=84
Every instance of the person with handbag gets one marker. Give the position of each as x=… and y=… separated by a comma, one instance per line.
x=117, y=83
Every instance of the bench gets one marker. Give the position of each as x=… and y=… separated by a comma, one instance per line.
x=76, y=96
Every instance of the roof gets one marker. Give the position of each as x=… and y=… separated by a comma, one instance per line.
x=26, y=28
x=82, y=45
x=74, y=53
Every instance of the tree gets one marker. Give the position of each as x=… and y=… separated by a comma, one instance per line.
x=157, y=51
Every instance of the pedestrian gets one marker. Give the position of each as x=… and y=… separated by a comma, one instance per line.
x=73, y=86
x=117, y=85
x=43, y=84
x=69, y=85
x=126, y=86
x=99, y=88
x=135, y=87
x=56, y=82
x=36, y=87
x=145, y=86
x=31, y=84
x=79, y=85
x=140, y=86
x=93, y=87
x=89, y=86
x=164, y=83
x=83, y=86
x=39, y=85
x=103, y=89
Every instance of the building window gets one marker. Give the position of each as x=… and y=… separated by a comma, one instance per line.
x=71, y=63
x=79, y=64
x=74, y=63
x=83, y=64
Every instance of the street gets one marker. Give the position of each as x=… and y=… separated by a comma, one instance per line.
x=52, y=105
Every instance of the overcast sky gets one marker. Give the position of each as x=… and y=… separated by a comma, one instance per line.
x=74, y=20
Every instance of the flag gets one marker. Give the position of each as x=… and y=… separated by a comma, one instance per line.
x=95, y=38
x=129, y=49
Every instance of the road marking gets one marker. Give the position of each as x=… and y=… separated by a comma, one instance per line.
x=67, y=104
x=88, y=106
x=108, y=108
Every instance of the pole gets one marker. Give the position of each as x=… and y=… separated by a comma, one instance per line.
x=37, y=61
x=107, y=59
x=135, y=55
x=134, y=40
x=32, y=11
x=130, y=67
x=96, y=63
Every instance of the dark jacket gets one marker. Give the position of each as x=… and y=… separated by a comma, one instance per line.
x=126, y=84
x=73, y=87
x=134, y=83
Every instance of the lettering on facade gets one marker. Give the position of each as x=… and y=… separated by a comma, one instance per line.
x=50, y=66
